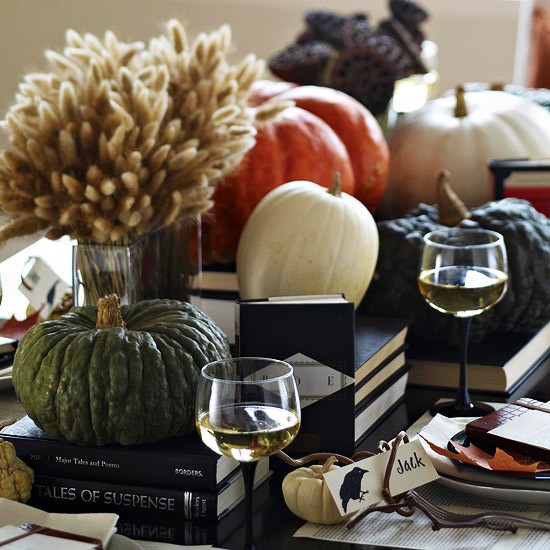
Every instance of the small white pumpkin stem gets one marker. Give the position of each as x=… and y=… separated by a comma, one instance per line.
x=461, y=110
x=108, y=312
x=336, y=187
x=327, y=465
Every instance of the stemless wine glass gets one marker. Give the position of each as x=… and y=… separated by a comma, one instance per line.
x=247, y=408
x=463, y=272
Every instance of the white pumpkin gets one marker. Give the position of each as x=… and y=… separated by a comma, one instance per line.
x=307, y=495
x=304, y=239
x=494, y=125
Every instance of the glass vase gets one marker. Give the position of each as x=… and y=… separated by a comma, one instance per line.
x=164, y=263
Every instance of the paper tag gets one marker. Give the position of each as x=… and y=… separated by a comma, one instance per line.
x=532, y=427
x=360, y=484
x=42, y=286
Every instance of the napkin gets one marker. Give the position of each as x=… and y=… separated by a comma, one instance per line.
x=98, y=526
x=439, y=430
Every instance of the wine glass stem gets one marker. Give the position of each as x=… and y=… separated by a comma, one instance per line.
x=463, y=400
x=249, y=469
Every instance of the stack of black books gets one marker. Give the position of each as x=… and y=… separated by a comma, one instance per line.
x=501, y=368
x=351, y=369
x=381, y=371
x=175, y=479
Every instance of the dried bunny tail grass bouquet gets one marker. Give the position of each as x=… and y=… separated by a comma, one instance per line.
x=120, y=138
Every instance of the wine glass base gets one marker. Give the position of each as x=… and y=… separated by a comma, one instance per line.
x=451, y=409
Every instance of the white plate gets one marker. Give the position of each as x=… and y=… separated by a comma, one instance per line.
x=120, y=542
x=5, y=383
x=503, y=494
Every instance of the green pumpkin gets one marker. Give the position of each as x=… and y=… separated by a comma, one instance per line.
x=131, y=381
x=526, y=304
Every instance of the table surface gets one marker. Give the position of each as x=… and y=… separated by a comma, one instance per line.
x=274, y=524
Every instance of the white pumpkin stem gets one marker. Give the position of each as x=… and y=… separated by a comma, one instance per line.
x=327, y=465
x=461, y=110
x=108, y=312
x=452, y=209
x=336, y=187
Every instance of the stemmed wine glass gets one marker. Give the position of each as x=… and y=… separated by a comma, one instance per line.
x=463, y=272
x=247, y=408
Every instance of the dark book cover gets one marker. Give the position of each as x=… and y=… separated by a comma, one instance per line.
x=183, y=462
x=90, y=495
x=527, y=386
x=379, y=375
x=376, y=339
x=372, y=410
x=318, y=339
x=495, y=364
x=228, y=532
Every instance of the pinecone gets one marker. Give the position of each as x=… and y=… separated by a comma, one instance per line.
x=302, y=63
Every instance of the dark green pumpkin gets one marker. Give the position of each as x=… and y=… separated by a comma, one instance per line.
x=132, y=385
x=526, y=305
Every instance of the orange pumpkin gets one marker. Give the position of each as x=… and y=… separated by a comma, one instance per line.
x=296, y=146
x=353, y=123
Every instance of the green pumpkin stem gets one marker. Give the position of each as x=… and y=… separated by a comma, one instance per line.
x=461, y=110
x=451, y=208
x=108, y=312
x=336, y=187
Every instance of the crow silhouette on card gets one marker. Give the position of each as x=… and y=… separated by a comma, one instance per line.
x=351, y=487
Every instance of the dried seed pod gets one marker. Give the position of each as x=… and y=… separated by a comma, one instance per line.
x=366, y=74
x=302, y=63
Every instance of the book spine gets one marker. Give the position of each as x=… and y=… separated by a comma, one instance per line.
x=57, y=458
x=140, y=500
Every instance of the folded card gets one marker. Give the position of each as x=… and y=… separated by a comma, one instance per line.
x=361, y=484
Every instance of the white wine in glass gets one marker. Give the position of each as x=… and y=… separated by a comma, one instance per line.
x=247, y=408
x=463, y=272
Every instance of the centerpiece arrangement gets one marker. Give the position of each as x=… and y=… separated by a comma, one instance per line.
x=118, y=140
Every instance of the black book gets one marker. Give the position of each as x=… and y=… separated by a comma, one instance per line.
x=376, y=340
x=182, y=462
x=316, y=335
x=496, y=364
x=381, y=403
x=527, y=386
x=377, y=378
x=228, y=532
x=89, y=495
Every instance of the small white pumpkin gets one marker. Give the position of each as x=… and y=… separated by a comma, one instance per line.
x=304, y=239
x=460, y=134
x=307, y=495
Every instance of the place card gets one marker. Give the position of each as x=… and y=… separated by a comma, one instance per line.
x=360, y=484
x=42, y=286
x=532, y=428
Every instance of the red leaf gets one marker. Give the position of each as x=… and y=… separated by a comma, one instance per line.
x=503, y=462
x=13, y=328
x=474, y=459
